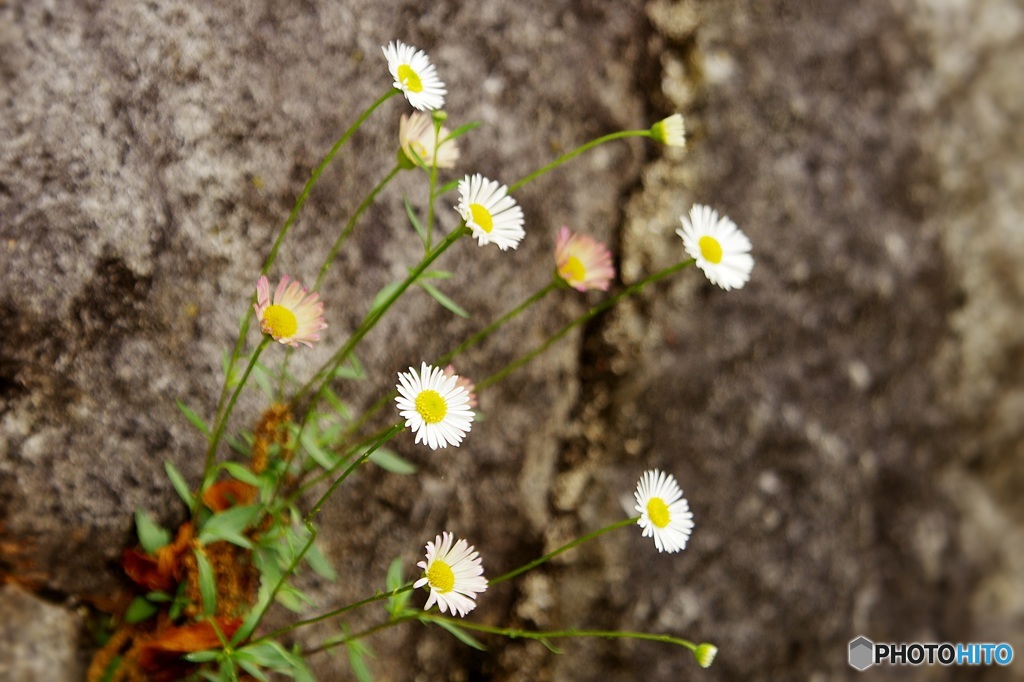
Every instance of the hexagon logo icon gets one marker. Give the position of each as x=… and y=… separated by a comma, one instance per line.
x=862, y=652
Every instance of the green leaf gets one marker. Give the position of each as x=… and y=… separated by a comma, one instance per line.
x=269, y=655
x=325, y=459
x=409, y=211
x=241, y=473
x=111, y=672
x=332, y=399
x=389, y=460
x=242, y=447
x=395, y=576
x=448, y=187
x=158, y=597
x=394, y=580
x=261, y=375
x=181, y=601
x=151, y=536
x=300, y=672
x=551, y=647
x=353, y=369
x=203, y=656
x=207, y=583
x=293, y=599
x=459, y=633
x=180, y=486
x=357, y=653
x=319, y=563
x=436, y=274
x=262, y=599
x=462, y=130
x=193, y=418
x=443, y=300
x=229, y=525
x=139, y=610
x=383, y=295
x=251, y=668
x=227, y=670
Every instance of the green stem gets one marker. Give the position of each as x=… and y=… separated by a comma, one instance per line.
x=218, y=433
x=365, y=633
x=380, y=596
x=513, y=633
x=494, y=326
x=585, y=317
x=433, y=183
x=334, y=253
x=299, y=203
x=352, y=223
x=465, y=345
x=564, y=548
x=325, y=373
x=576, y=152
x=308, y=523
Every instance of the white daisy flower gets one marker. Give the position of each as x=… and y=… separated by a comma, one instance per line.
x=454, y=575
x=664, y=512
x=722, y=251
x=434, y=405
x=490, y=212
x=415, y=76
x=670, y=131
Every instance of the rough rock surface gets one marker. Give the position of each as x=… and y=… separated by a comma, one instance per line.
x=847, y=427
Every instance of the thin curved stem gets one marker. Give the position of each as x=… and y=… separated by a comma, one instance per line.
x=218, y=433
x=513, y=633
x=322, y=377
x=480, y=336
x=576, y=152
x=585, y=317
x=380, y=596
x=564, y=548
x=352, y=223
x=299, y=203
x=308, y=523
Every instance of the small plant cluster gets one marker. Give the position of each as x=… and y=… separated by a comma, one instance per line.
x=204, y=589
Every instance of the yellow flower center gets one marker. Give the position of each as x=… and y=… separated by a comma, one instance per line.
x=573, y=270
x=419, y=149
x=482, y=217
x=440, y=576
x=710, y=249
x=657, y=510
x=408, y=77
x=279, y=322
x=431, y=406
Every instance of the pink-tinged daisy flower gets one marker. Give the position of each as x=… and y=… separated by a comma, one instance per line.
x=487, y=209
x=415, y=76
x=721, y=250
x=664, y=512
x=416, y=135
x=434, y=406
x=453, y=573
x=293, y=316
x=464, y=382
x=671, y=131
x=583, y=262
